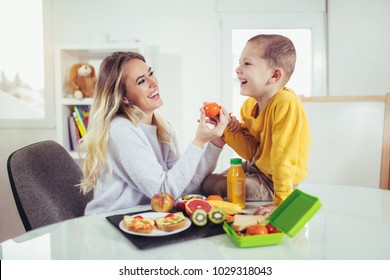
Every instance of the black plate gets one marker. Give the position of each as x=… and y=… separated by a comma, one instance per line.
x=144, y=242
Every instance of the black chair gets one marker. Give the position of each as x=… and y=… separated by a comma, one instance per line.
x=44, y=180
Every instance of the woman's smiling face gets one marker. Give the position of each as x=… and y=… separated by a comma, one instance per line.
x=141, y=86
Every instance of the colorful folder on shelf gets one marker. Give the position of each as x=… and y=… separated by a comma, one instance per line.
x=80, y=114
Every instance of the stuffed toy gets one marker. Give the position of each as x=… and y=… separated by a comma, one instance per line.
x=82, y=80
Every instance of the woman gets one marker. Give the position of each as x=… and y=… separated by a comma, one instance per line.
x=131, y=152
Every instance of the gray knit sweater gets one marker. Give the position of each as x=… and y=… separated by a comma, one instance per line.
x=142, y=167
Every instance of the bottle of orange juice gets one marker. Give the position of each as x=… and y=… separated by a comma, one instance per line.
x=236, y=182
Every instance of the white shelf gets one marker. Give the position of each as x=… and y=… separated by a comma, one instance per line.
x=101, y=47
x=65, y=56
x=74, y=101
x=74, y=154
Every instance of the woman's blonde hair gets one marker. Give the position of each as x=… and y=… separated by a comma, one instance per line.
x=108, y=103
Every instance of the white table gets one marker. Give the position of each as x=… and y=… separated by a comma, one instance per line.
x=353, y=223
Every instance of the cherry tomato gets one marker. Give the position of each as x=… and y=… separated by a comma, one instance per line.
x=138, y=217
x=256, y=230
x=272, y=229
x=212, y=109
x=229, y=218
x=170, y=215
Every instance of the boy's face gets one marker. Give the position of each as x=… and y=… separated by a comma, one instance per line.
x=253, y=72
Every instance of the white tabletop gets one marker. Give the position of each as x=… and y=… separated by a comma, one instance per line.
x=353, y=223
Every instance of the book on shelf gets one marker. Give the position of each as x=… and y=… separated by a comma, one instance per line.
x=74, y=134
x=84, y=113
x=81, y=114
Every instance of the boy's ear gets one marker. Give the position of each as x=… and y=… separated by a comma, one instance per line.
x=276, y=75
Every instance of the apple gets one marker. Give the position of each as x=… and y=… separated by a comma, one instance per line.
x=181, y=206
x=162, y=202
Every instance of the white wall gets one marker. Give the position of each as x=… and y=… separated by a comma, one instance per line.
x=359, y=53
x=181, y=39
x=183, y=45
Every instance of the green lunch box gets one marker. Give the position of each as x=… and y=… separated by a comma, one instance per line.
x=290, y=217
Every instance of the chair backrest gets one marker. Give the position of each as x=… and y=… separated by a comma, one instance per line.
x=385, y=163
x=44, y=179
x=363, y=130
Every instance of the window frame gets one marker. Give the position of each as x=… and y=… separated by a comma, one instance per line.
x=315, y=21
x=49, y=94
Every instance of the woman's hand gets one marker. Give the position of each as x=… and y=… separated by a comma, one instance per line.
x=265, y=210
x=204, y=133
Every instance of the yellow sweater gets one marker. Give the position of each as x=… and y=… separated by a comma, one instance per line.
x=278, y=139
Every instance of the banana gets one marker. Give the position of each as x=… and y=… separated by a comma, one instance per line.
x=228, y=207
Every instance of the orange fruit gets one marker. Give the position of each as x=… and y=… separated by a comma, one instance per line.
x=214, y=197
x=211, y=109
x=196, y=203
x=256, y=230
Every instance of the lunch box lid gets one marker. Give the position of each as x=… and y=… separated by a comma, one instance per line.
x=293, y=213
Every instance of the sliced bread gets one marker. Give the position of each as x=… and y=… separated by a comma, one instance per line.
x=241, y=222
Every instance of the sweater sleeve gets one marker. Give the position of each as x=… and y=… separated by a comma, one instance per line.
x=205, y=167
x=138, y=162
x=243, y=143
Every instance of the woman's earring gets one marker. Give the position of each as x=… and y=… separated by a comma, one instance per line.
x=126, y=102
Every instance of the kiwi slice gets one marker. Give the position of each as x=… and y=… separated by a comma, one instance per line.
x=199, y=217
x=217, y=216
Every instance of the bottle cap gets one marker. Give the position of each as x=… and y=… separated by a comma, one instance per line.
x=235, y=161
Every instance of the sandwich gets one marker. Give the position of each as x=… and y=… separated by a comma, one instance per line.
x=138, y=224
x=242, y=222
x=171, y=222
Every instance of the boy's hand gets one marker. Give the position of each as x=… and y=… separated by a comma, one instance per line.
x=234, y=125
x=265, y=210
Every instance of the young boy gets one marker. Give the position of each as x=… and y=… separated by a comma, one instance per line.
x=274, y=134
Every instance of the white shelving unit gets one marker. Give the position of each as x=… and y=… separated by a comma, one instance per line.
x=65, y=56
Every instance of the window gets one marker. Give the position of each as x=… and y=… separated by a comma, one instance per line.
x=300, y=81
x=306, y=30
x=24, y=98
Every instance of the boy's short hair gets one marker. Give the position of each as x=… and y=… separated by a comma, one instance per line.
x=277, y=50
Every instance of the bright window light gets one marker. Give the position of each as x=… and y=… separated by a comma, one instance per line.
x=22, y=61
x=300, y=81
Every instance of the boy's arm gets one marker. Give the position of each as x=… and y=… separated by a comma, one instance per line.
x=238, y=137
x=241, y=140
x=234, y=125
x=243, y=143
